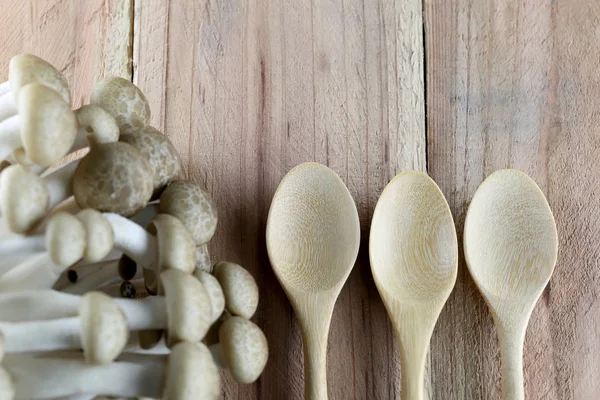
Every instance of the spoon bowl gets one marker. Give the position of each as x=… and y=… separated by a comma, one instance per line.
x=414, y=259
x=313, y=237
x=511, y=246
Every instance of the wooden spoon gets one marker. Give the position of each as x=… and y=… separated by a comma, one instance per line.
x=414, y=259
x=313, y=236
x=511, y=247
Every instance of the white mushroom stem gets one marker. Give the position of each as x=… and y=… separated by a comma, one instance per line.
x=59, y=183
x=8, y=107
x=24, y=245
x=38, y=272
x=55, y=334
x=144, y=314
x=10, y=135
x=58, y=377
x=161, y=349
x=4, y=88
x=133, y=240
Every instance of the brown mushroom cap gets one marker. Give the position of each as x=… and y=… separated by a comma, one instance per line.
x=99, y=235
x=176, y=249
x=104, y=330
x=113, y=177
x=24, y=198
x=160, y=152
x=48, y=125
x=244, y=348
x=203, y=258
x=191, y=203
x=214, y=291
x=65, y=238
x=191, y=374
x=239, y=288
x=123, y=100
x=98, y=123
x=27, y=68
x=188, y=307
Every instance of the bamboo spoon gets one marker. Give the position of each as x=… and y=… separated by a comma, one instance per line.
x=511, y=247
x=313, y=236
x=414, y=260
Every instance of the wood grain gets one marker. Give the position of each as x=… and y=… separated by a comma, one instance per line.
x=85, y=40
x=249, y=89
x=513, y=84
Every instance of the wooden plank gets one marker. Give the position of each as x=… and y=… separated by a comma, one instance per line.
x=86, y=40
x=247, y=90
x=514, y=84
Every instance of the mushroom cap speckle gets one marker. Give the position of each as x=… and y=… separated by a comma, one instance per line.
x=123, y=100
x=48, y=125
x=188, y=307
x=113, y=177
x=104, y=330
x=99, y=235
x=27, y=68
x=244, y=348
x=191, y=203
x=98, y=123
x=7, y=385
x=160, y=152
x=65, y=238
x=191, y=374
x=203, y=258
x=239, y=288
x=176, y=248
x=214, y=291
x=24, y=198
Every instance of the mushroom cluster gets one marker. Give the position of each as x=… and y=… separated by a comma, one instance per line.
x=107, y=288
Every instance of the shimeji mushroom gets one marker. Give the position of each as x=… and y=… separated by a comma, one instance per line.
x=64, y=240
x=239, y=288
x=24, y=69
x=188, y=373
x=96, y=125
x=184, y=311
x=123, y=100
x=166, y=244
x=203, y=258
x=62, y=244
x=113, y=177
x=45, y=126
x=242, y=349
x=24, y=199
x=159, y=151
x=213, y=288
x=191, y=203
x=100, y=330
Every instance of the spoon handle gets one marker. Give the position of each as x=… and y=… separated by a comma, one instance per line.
x=511, y=352
x=315, y=363
x=413, y=354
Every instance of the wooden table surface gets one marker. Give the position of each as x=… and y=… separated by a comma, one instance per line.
x=247, y=89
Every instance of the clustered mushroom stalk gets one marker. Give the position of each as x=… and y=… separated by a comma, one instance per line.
x=187, y=373
x=107, y=250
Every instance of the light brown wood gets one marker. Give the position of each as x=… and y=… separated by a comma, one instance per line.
x=414, y=259
x=510, y=245
x=85, y=40
x=313, y=236
x=249, y=89
x=513, y=84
